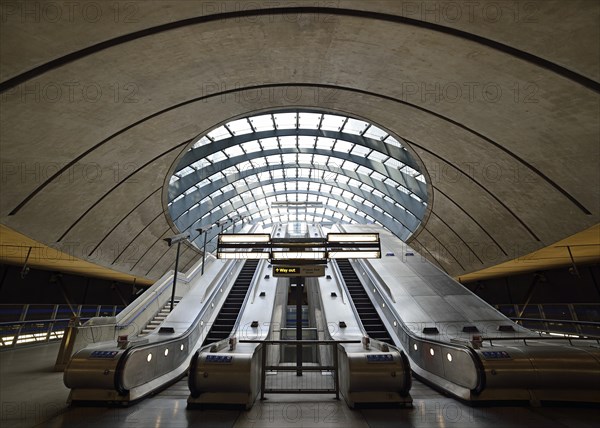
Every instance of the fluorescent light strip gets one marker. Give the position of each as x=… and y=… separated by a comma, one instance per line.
x=240, y=256
x=245, y=239
x=298, y=255
x=353, y=237
x=354, y=254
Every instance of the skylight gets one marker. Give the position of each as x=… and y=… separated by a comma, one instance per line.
x=348, y=171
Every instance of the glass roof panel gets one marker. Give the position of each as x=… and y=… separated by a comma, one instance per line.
x=201, y=142
x=219, y=134
x=239, y=127
x=343, y=146
x=262, y=123
x=354, y=126
x=234, y=151
x=269, y=143
x=305, y=158
x=392, y=141
x=360, y=151
x=286, y=120
x=305, y=141
x=332, y=122
x=289, y=158
x=185, y=171
x=251, y=146
x=310, y=120
x=325, y=143
x=375, y=133
x=287, y=142
x=378, y=156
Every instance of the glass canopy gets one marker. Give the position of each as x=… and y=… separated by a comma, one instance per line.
x=297, y=166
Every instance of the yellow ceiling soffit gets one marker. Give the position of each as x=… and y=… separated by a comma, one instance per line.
x=14, y=248
x=584, y=247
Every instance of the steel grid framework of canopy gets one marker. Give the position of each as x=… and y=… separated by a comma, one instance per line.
x=298, y=166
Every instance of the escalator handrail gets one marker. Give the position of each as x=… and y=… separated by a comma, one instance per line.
x=167, y=285
x=119, y=371
x=459, y=347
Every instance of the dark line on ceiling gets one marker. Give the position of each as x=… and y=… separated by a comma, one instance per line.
x=122, y=220
x=437, y=262
x=485, y=189
x=444, y=247
x=136, y=236
x=309, y=85
x=471, y=217
x=149, y=248
x=154, y=159
x=90, y=50
x=457, y=235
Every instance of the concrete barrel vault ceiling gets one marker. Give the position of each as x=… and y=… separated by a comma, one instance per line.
x=499, y=101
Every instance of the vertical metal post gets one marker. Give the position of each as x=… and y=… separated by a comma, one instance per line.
x=299, y=298
x=263, y=371
x=573, y=265
x=336, y=374
x=204, y=252
x=51, y=323
x=175, y=275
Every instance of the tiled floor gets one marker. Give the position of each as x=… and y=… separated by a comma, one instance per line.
x=31, y=394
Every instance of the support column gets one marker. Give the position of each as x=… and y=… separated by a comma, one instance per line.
x=299, y=299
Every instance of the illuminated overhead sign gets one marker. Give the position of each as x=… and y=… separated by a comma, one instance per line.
x=299, y=251
x=296, y=271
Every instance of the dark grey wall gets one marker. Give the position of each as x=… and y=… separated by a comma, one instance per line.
x=551, y=286
x=44, y=287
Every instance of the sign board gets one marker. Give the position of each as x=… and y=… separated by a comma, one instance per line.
x=295, y=271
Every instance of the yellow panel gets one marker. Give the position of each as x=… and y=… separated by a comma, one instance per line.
x=584, y=246
x=14, y=248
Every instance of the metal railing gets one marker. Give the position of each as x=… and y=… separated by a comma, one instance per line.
x=323, y=378
x=32, y=324
x=579, y=319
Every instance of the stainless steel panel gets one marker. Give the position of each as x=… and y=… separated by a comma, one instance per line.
x=86, y=372
x=411, y=312
x=439, y=309
x=234, y=376
x=473, y=308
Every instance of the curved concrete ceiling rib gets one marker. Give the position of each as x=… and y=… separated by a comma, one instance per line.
x=385, y=14
x=100, y=132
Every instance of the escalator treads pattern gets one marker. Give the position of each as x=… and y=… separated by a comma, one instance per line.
x=366, y=311
x=223, y=324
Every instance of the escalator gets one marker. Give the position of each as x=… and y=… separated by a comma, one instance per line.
x=366, y=311
x=225, y=321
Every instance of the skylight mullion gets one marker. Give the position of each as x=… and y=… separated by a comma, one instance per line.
x=344, y=124
x=226, y=126
x=250, y=123
x=274, y=123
